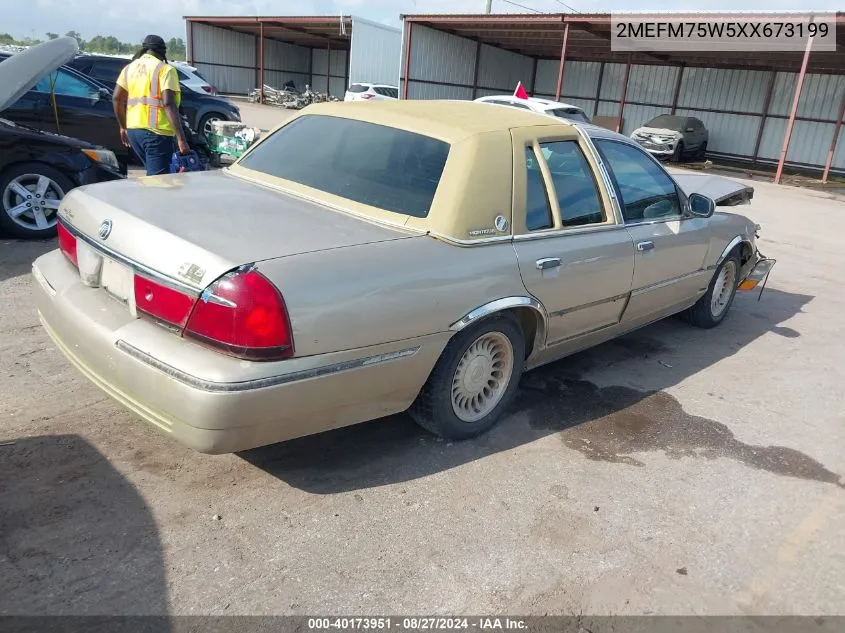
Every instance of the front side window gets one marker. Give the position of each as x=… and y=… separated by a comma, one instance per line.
x=574, y=184
x=384, y=167
x=63, y=83
x=538, y=211
x=647, y=192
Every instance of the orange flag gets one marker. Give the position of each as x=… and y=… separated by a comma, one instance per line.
x=520, y=92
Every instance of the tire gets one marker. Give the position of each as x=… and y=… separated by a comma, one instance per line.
x=678, y=154
x=207, y=119
x=704, y=313
x=702, y=151
x=444, y=394
x=23, y=221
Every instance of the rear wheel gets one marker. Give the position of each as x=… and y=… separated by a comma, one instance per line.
x=474, y=380
x=711, y=309
x=30, y=194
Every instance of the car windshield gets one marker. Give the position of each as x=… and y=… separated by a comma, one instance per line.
x=358, y=88
x=668, y=122
x=387, y=168
x=572, y=114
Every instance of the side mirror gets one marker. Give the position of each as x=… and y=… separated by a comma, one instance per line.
x=701, y=206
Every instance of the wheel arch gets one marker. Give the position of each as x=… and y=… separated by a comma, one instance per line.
x=528, y=312
x=741, y=244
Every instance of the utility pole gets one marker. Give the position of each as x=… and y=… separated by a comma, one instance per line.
x=489, y=6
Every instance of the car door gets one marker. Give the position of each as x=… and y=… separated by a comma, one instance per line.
x=671, y=245
x=83, y=112
x=574, y=253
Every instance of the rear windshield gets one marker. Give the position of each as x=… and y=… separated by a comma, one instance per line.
x=668, y=122
x=358, y=88
x=571, y=114
x=376, y=165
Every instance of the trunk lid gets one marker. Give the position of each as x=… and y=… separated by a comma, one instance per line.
x=195, y=227
x=21, y=71
x=724, y=191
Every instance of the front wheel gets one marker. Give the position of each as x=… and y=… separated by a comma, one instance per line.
x=474, y=380
x=30, y=194
x=206, y=124
x=678, y=154
x=711, y=309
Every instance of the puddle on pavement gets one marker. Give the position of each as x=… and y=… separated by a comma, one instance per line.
x=615, y=423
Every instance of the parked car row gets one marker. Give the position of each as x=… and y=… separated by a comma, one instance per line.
x=59, y=129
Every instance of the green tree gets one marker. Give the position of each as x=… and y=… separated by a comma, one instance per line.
x=51, y=36
x=75, y=35
x=176, y=48
x=5, y=38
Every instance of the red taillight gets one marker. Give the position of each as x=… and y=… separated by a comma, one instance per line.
x=244, y=315
x=162, y=302
x=208, y=89
x=67, y=244
x=366, y=96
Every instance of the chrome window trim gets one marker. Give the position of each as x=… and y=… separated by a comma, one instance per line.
x=605, y=174
x=580, y=230
x=175, y=284
x=261, y=383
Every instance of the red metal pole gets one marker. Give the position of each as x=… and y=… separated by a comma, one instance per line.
x=562, y=62
x=798, y=86
x=407, y=65
x=624, y=95
x=261, y=60
x=677, y=88
x=328, y=66
x=836, y=129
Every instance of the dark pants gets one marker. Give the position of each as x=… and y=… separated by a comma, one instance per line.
x=154, y=150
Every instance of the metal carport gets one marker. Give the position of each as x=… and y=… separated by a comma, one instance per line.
x=782, y=108
x=238, y=54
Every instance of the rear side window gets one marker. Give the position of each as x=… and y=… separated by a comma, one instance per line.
x=538, y=211
x=387, y=168
x=387, y=92
x=106, y=71
x=571, y=114
x=358, y=88
x=575, y=187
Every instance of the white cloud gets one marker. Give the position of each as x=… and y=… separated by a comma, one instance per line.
x=131, y=20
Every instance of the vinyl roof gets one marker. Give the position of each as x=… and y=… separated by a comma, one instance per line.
x=541, y=36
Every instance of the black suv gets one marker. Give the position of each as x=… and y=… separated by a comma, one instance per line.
x=199, y=108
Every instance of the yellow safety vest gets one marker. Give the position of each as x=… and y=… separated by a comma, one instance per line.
x=145, y=79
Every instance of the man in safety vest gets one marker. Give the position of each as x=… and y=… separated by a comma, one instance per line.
x=146, y=101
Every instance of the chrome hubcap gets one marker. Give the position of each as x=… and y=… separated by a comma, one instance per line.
x=722, y=290
x=32, y=201
x=482, y=376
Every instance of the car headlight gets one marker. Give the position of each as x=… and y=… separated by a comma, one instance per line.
x=103, y=156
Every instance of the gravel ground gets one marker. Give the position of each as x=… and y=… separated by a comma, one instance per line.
x=675, y=471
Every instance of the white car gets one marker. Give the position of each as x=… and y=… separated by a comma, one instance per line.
x=191, y=78
x=543, y=106
x=371, y=92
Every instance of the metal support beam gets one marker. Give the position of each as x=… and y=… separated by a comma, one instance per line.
x=562, y=62
x=798, y=86
x=475, y=72
x=835, y=138
x=190, y=54
x=767, y=102
x=328, y=67
x=406, y=67
x=624, y=95
x=598, y=90
x=261, y=61
x=678, y=88
x=534, y=78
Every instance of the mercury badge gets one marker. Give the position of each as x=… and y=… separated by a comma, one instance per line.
x=501, y=223
x=105, y=229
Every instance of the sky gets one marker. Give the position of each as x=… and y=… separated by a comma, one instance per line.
x=131, y=20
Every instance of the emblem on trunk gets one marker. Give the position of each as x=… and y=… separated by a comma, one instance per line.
x=105, y=229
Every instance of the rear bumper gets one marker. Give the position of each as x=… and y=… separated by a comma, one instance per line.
x=120, y=355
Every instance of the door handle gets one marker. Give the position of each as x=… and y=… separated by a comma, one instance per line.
x=548, y=262
x=645, y=246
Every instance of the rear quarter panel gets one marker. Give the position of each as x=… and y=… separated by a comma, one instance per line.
x=378, y=293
